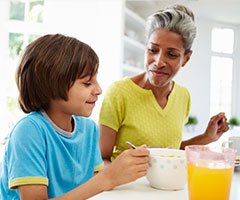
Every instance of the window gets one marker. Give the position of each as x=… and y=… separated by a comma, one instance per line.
x=221, y=70
x=26, y=10
x=221, y=84
x=26, y=18
x=222, y=40
x=17, y=10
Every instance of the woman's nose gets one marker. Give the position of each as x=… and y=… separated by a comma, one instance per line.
x=160, y=60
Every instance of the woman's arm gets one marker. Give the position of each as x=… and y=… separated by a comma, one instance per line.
x=216, y=127
x=133, y=161
x=107, y=141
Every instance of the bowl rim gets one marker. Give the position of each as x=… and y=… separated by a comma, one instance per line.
x=154, y=154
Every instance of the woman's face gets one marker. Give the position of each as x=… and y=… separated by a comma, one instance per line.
x=164, y=56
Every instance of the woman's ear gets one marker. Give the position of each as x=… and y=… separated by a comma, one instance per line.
x=187, y=58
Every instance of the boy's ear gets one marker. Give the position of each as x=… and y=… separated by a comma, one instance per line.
x=187, y=58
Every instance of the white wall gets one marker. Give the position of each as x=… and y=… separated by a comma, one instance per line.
x=196, y=74
x=97, y=23
x=236, y=75
x=108, y=44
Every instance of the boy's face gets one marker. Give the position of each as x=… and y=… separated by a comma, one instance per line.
x=81, y=97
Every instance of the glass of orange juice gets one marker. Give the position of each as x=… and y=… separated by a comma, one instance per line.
x=210, y=171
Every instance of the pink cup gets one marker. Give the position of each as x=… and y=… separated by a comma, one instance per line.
x=209, y=172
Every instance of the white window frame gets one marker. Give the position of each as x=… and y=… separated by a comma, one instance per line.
x=235, y=106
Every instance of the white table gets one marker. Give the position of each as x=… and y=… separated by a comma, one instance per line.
x=141, y=190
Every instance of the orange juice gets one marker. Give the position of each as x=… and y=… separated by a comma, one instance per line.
x=209, y=183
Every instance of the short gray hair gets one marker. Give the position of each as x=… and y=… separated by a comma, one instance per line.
x=176, y=18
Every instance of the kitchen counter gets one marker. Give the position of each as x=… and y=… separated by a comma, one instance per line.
x=141, y=190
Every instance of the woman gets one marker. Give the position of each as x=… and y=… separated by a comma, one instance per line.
x=151, y=108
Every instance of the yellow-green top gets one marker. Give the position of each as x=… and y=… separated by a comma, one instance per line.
x=137, y=117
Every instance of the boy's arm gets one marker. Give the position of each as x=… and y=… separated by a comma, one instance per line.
x=133, y=161
x=86, y=190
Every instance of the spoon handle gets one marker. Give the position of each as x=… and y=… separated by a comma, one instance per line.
x=131, y=145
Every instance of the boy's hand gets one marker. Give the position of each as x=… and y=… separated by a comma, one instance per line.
x=128, y=166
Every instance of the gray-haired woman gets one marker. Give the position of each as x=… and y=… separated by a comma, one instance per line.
x=150, y=108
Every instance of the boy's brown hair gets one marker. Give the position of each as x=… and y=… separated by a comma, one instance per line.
x=49, y=67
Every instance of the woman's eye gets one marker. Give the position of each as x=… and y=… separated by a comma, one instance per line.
x=150, y=50
x=172, y=55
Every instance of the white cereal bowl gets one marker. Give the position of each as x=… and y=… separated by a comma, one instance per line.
x=167, y=169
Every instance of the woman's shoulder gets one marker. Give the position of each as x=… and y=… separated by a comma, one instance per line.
x=119, y=87
x=180, y=89
x=124, y=82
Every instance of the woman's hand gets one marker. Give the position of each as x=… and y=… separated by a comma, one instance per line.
x=127, y=167
x=216, y=127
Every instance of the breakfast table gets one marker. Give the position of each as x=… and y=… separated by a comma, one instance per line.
x=141, y=190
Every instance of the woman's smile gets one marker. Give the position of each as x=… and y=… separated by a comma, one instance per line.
x=158, y=73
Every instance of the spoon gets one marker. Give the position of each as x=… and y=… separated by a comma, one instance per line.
x=131, y=145
x=237, y=162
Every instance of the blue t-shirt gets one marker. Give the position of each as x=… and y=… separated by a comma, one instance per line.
x=39, y=152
